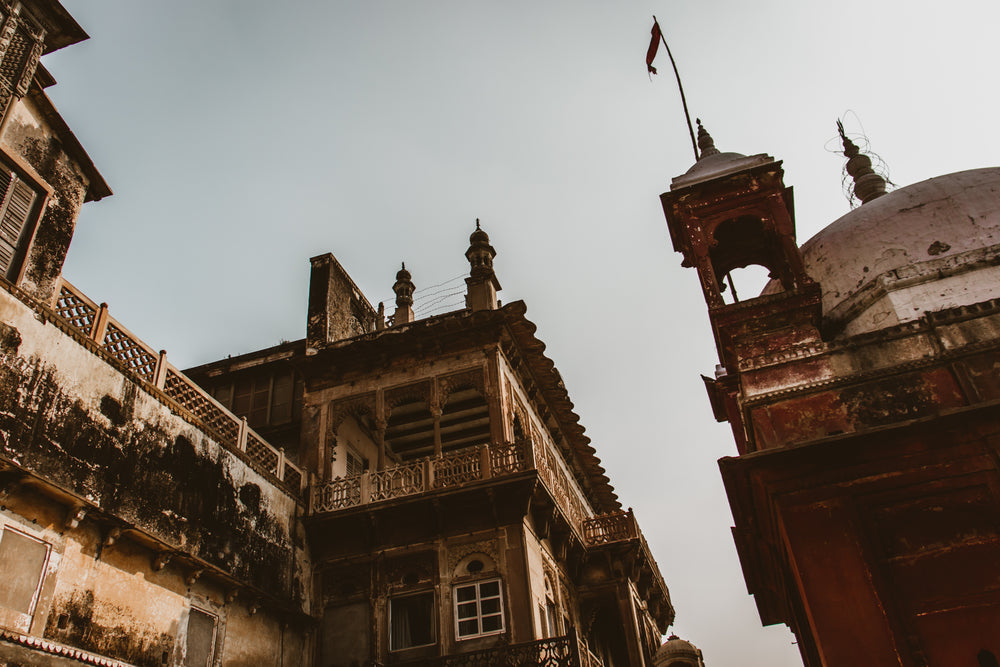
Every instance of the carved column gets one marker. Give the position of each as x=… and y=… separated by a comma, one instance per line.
x=381, y=423
x=494, y=395
x=436, y=411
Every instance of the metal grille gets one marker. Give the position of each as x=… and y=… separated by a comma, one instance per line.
x=555, y=652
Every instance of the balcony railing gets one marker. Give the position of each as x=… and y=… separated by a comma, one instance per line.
x=566, y=651
x=471, y=465
x=463, y=466
x=138, y=359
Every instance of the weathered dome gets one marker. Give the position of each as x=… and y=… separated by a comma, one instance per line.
x=677, y=651
x=922, y=248
x=716, y=165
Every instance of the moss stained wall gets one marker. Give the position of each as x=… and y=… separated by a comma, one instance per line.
x=31, y=140
x=75, y=421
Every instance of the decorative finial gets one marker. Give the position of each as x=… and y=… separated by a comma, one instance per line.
x=403, y=288
x=482, y=282
x=868, y=185
x=705, y=141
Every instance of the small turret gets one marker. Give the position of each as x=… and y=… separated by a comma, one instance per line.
x=404, y=297
x=868, y=185
x=482, y=282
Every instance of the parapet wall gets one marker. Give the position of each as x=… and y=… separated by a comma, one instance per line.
x=143, y=509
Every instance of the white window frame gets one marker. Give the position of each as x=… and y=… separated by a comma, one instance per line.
x=478, y=600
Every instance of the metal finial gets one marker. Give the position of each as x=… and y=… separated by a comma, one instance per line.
x=477, y=223
x=705, y=141
x=868, y=184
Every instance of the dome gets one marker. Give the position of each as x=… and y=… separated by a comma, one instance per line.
x=714, y=165
x=677, y=651
x=922, y=248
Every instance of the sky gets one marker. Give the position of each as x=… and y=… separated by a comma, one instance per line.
x=242, y=138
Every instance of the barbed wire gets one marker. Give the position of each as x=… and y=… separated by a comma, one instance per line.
x=879, y=166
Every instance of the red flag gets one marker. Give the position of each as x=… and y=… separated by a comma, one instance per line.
x=654, y=44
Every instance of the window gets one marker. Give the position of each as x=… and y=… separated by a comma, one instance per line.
x=478, y=609
x=264, y=401
x=355, y=464
x=411, y=621
x=201, y=632
x=22, y=562
x=17, y=203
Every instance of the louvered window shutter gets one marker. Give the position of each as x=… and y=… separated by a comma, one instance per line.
x=15, y=210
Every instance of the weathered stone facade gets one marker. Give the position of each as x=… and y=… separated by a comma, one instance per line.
x=457, y=511
x=384, y=491
x=862, y=389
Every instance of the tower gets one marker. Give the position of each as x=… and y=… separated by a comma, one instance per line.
x=861, y=389
x=727, y=212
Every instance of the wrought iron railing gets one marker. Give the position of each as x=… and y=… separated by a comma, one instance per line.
x=139, y=359
x=566, y=651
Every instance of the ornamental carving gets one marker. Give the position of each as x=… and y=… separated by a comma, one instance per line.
x=458, y=552
x=357, y=407
x=471, y=379
x=411, y=393
x=410, y=570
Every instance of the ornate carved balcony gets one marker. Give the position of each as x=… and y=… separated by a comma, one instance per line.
x=458, y=468
x=566, y=651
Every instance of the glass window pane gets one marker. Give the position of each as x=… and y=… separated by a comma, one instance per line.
x=411, y=621
x=468, y=628
x=491, y=606
x=466, y=593
x=467, y=610
x=492, y=623
x=489, y=589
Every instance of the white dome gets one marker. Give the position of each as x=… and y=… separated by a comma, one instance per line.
x=922, y=248
x=677, y=651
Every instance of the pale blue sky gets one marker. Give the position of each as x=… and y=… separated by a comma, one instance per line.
x=243, y=137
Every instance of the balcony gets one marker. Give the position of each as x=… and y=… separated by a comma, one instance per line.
x=566, y=651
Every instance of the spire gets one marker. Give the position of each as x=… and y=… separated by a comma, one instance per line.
x=482, y=284
x=705, y=141
x=404, y=296
x=868, y=185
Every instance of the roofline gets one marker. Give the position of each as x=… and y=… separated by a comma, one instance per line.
x=97, y=187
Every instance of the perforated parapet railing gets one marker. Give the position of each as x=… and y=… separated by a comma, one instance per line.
x=138, y=359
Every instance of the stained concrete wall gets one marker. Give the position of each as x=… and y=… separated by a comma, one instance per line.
x=76, y=433
x=33, y=146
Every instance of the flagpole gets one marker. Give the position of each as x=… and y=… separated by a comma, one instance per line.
x=687, y=116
